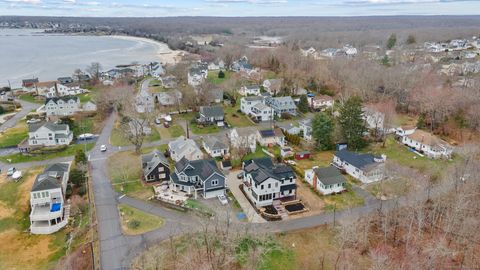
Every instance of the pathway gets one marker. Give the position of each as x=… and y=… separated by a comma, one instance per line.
x=26, y=108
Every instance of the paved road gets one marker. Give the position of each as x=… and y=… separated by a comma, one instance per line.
x=26, y=108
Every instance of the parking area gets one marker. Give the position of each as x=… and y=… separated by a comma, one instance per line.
x=233, y=183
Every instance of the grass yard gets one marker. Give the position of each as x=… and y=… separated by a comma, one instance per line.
x=136, y=222
x=117, y=137
x=321, y=159
x=86, y=125
x=20, y=249
x=196, y=129
x=14, y=135
x=400, y=153
x=197, y=205
x=32, y=99
x=213, y=77
x=344, y=200
x=20, y=158
x=257, y=154
x=235, y=118
x=390, y=188
x=173, y=131
x=125, y=171
x=85, y=97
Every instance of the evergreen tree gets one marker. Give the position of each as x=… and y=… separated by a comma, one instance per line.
x=221, y=75
x=322, y=131
x=352, y=123
x=303, y=104
x=411, y=40
x=392, y=40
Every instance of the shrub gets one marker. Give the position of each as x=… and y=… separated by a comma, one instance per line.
x=82, y=190
x=221, y=75
x=68, y=192
x=133, y=224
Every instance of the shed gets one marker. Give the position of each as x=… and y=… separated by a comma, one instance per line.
x=302, y=155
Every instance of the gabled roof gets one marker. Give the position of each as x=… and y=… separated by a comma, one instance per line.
x=355, y=159
x=262, y=169
x=246, y=131
x=152, y=160
x=329, y=175
x=214, y=143
x=252, y=87
x=426, y=138
x=51, y=126
x=51, y=177
x=202, y=168
x=211, y=111
x=183, y=145
x=64, y=98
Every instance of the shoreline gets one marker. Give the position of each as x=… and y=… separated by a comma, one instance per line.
x=167, y=55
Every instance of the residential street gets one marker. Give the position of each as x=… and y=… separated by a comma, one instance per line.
x=26, y=108
x=117, y=250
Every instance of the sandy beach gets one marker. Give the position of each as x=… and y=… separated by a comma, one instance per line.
x=164, y=53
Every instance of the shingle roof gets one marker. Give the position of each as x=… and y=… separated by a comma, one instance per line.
x=262, y=169
x=357, y=160
x=64, y=98
x=214, y=143
x=49, y=125
x=329, y=175
x=203, y=168
x=51, y=177
x=152, y=160
x=211, y=111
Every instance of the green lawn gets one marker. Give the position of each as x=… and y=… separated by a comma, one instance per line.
x=117, y=137
x=176, y=131
x=195, y=204
x=399, y=153
x=155, y=82
x=125, y=171
x=85, y=97
x=345, y=200
x=32, y=99
x=196, y=129
x=14, y=135
x=136, y=222
x=257, y=154
x=20, y=158
x=235, y=118
x=85, y=125
x=213, y=77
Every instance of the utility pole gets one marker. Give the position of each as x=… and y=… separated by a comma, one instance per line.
x=334, y=213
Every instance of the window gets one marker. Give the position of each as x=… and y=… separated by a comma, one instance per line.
x=261, y=187
x=214, y=182
x=269, y=185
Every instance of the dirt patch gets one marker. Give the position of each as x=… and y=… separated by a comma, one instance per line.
x=24, y=251
x=311, y=200
x=25, y=188
x=5, y=211
x=81, y=258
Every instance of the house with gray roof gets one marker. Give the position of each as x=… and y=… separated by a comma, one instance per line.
x=184, y=148
x=242, y=65
x=198, y=177
x=168, y=98
x=365, y=167
x=255, y=108
x=155, y=167
x=215, y=146
x=211, y=115
x=49, y=134
x=250, y=90
x=273, y=86
x=49, y=213
x=62, y=106
x=281, y=105
x=327, y=180
x=265, y=182
x=197, y=74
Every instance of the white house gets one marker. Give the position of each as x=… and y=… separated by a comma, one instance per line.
x=197, y=74
x=215, y=146
x=350, y=50
x=244, y=138
x=271, y=137
x=264, y=182
x=169, y=98
x=327, y=180
x=49, y=134
x=255, y=108
x=216, y=65
x=273, y=86
x=306, y=127
x=365, y=167
x=427, y=144
x=89, y=107
x=250, y=90
x=184, y=148
x=60, y=90
x=321, y=102
x=144, y=102
x=405, y=130
x=62, y=106
x=48, y=212
x=281, y=105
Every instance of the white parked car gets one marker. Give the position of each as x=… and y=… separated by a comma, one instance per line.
x=103, y=148
x=11, y=171
x=223, y=199
x=17, y=175
x=33, y=121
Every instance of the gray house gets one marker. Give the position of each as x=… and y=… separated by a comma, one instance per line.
x=215, y=147
x=155, y=167
x=211, y=115
x=282, y=105
x=198, y=177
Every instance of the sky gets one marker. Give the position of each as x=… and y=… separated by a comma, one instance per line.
x=237, y=8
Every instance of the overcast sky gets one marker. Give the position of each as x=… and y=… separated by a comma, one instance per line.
x=162, y=8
